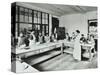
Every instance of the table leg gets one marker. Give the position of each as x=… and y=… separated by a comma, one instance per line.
x=62, y=48
x=90, y=55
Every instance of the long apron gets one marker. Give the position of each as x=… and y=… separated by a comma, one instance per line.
x=77, y=49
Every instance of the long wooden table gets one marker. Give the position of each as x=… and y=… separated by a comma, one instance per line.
x=90, y=47
x=33, y=50
x=36, y=49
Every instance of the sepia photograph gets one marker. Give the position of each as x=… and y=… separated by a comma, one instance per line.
x=53, y=37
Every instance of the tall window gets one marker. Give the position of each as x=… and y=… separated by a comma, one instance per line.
x=31, y=20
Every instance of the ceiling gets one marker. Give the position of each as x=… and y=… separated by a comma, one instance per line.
x=60, y=10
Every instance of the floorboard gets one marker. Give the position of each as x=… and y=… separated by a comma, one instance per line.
x=61, y=62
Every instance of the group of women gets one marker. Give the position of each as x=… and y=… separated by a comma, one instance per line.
x=31, y=39
x=79, y=39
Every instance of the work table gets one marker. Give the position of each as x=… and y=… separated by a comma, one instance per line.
x=40, y=48
x=36, y=49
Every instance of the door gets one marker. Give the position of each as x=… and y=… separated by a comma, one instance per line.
x=55, y=23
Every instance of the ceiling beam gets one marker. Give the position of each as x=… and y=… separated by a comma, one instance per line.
x=35, y=7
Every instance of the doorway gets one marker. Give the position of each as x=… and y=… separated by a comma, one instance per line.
x=55, y=23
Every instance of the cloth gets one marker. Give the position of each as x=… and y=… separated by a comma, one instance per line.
x=77, y=48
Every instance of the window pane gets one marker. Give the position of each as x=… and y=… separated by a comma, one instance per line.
x=26, y=15
x=42, y=21
x=21, y=18
x=39, y=20
x=46, y=21
x=42, y=15
x=16, y=30
x=35, y=16
x=30, y=16
x=34, y=27
x=39, y=14
x=38, y=27
x=46, y=27
x=29, y=26
x=35, y=20
x=25, y=26
x=39, y=17
x=16, y=13
x=43, y=28
x=21, y=15
x=46, y=16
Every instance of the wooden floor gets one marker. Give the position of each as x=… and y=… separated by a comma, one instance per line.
x=60, y=62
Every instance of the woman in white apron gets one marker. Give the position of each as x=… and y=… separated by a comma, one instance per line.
x=77, y=47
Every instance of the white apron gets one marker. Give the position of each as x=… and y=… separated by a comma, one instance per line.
x=77, y=48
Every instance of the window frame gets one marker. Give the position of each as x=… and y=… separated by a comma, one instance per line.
x=39, y=24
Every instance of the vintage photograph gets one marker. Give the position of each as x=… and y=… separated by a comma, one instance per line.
x=53, y=37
